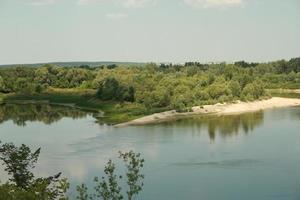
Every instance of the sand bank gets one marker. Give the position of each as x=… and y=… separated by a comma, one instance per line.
x=219, y=109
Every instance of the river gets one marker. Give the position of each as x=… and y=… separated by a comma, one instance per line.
x=248, y=156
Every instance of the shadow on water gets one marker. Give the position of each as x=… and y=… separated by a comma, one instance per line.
x=46, y=113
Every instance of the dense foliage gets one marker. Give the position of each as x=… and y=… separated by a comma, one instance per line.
x=160, y=86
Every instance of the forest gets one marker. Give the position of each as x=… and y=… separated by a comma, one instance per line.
x=152, y=87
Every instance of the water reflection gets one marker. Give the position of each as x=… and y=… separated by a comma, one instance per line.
x=296, y=113
x=179, y=150
x=223, y=163
x=225, y=126
x=48, y=114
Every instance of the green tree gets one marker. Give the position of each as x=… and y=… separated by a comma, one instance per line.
x=200, y=94
x=217, y=90
x=24, y=86
x=244, y=79
x=125, y=93
x=108, y=89
x=2, y=85
x=108, y=187
x=178, y=103
x=111, y=89
x=229, y=71
x=43, y=76
x=18, y=162
x=253, y=90
x=134, y=163
x=235, y=88
x=82, y=192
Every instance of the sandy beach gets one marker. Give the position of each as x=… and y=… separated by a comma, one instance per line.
x=218, y=109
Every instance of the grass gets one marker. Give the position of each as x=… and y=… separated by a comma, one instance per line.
x=114, y=112
x=284, y=85
x=1, y=97
x=288, y=93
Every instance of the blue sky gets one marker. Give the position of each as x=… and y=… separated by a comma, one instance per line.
x=148, y=30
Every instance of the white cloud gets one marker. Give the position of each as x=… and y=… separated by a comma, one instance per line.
x=116, y=15
x=41, y=2
x=213, y=3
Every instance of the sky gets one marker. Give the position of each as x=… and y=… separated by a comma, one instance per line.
x=33, y=31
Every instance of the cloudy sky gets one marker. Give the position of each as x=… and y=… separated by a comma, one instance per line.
x=148, y=30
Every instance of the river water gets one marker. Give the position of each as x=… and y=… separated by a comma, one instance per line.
x=248, y=156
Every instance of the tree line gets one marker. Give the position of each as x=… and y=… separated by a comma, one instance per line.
x=173, y=86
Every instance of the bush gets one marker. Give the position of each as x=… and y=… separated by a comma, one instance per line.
x=2, y=86
x=18, y=162
x=178, y=103
x=217, y=89
x=200, y=94
x=235, y=88
x=110, y=89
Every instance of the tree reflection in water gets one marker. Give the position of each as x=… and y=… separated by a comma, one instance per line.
x=232, y=125
x=225, y=126
x=46, y=113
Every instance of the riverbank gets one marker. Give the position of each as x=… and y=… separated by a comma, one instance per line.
x=110, y=112
x=1, y=98
x=219, y=109
x=286, y=93
x=283, y=91
x=123, y=114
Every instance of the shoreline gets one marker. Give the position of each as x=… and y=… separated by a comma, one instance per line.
x=296, y=91
x=218, y=109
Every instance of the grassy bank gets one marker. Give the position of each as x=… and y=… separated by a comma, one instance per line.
x=288, y=93
x=1, y=97
x=114, y=112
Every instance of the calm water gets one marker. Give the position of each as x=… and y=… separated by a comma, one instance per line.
x=249, y=156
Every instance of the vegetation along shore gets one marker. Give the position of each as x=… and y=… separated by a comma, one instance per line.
x=128, y=92
x=218, y=109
